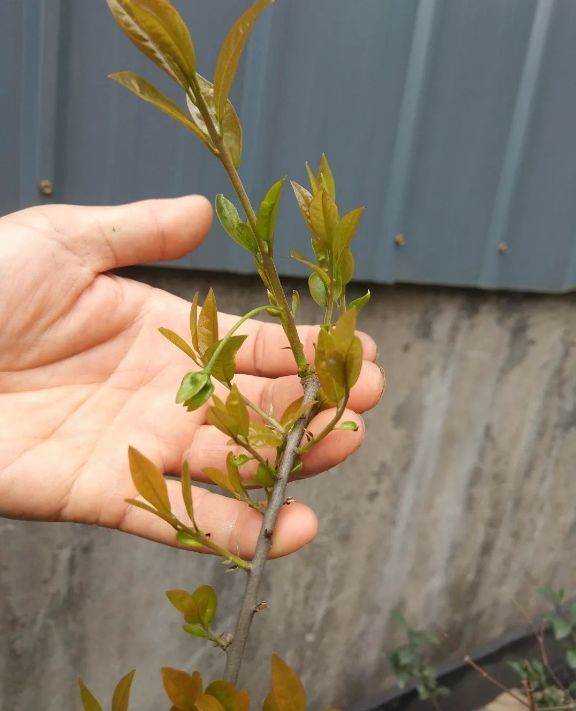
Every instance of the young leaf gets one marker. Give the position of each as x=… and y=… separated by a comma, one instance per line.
x=232, y=134
x=265, y=476
x=294, y=412
x=179, y=342
x=231, y=52
x=347, y=426
x=182, y=688
x=188, y=540
x=149, y=481
x=231, y=698
x=262, y=436
x=315, y=268
x=208, y=703
x=268, y=213
x=180, y=599
x=233, y=225
x=326, y=177
x=208, y=323
x=150, y=509
x=206, y=603
x=295, y=302
x=318, y=290
x=194, y=322
x=88, y=701
x=121, y=697
x=237, y=409
x=303, y=199
x=347, y=228
x=312, y=178
x=196, y=631
x=158, y=31
x=195, y=388
x=225, y=366
x=187, y=491
x=360, y=302
x=234, y=475
x=219, y=417
x=287, y=692
x=148, y=92
x=219, y=478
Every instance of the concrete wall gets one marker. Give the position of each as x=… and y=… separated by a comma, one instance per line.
x=460, y=505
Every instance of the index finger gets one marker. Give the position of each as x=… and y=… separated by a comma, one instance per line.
x=267, y=352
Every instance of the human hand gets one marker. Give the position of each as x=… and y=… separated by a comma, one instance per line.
x=84, y=373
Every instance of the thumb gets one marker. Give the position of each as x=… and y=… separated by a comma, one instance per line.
x=145, y=231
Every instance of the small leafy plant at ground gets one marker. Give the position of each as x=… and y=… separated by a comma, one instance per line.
x=266, y=447
x=410, y=663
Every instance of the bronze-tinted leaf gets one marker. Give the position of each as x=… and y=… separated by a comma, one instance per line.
x=179, y=342
x=231, y=698
x=312, y=178
x=148, y=92
x=219, y=478
x=208, y=323
x=261, y=435
x=218, y=417
x=326, y=177
x=294, y=412
x=194, y=321
x=237, y=409
x=158, y=31
x=287, y=691
x=318, y=290
x=208, y=703
x=89, y=702
x=231, y=52
x=182, y=689
x=303, y=199
x=329, y=365
x=121, y=697
x=353, y=362
x=295, y=302
x=268, y=213
x=233, y=225
x=344, y=270
x=347, y=228
x=187, y=490
x=150, y=509
x=232, y=134
x=234, y=475
x=149, y=480
x=180, y=599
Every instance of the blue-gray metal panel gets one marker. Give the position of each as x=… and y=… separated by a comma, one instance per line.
x=452, y=120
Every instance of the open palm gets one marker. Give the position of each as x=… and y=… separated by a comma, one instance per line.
x=84, y=373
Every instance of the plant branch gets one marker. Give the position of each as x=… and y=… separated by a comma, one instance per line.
x=326, y=431
x=250, y=601
x=487, y=676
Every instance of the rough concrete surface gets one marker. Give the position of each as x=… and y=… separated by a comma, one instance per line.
x=460, y=505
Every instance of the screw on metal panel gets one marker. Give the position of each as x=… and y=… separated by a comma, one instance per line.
x=46, y=187
x=503, y=247
x=400, y=240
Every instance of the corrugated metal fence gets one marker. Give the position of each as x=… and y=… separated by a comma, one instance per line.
x=452, y=120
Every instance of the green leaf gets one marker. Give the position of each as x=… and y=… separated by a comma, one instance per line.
x=224, y=367
x=188, y=540
x=324, y=217
x=560, y=626
x=318, y=289
x=360, y=302
x=261, y=435
x=196, y=631
x=182, y=689
x=231, y=52
x=179, y=342
x=146, y=91
x=208, y=703
x=121, y=697
x=287, y=692
x=206, y=603
x=149, y=481
x=312, y=178
x=208, y=323
x=346, y=228
x=180, y=599
x=196, y=383
x=231, y=698
x=88, y=700
x=571, y=658
x=233, y=225
x=315, y=268
x=187, y=490
x=158, y=31
x=295, y=302
x=268, y=213
x=553, y=597
x=326, y=177
x=344, y=269
x=265, y=476
x=200, y=398
x=347, y=426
